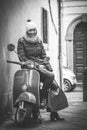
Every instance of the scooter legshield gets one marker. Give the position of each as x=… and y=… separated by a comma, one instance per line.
x=29, y=77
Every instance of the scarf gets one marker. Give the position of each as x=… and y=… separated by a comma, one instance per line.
x=29, y=39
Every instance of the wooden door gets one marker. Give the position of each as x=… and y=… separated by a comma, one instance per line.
x=80, y=50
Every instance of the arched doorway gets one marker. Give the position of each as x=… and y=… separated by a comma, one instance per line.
x=76, y=37
x=80, y=49
x=76, y=53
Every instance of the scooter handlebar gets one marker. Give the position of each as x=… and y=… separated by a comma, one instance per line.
x=29, y=66
x=14, y=62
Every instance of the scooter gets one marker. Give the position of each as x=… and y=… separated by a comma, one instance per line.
x=26, y=89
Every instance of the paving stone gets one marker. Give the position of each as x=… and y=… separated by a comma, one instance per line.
x=75, y=117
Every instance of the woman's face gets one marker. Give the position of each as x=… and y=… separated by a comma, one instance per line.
x=32, y=32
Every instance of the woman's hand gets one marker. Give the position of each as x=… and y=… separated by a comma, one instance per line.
x=41, y=67
x=23, y=63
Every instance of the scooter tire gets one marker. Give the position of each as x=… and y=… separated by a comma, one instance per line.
x=18, y=122
x=21, y=119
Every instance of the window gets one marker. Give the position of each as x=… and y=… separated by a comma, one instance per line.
x=45, y=26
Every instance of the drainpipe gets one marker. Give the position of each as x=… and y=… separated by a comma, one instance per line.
x=59, y=42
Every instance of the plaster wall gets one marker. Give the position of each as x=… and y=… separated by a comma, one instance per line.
x=13, y=15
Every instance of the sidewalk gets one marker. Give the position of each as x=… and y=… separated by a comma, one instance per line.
x=75, y=116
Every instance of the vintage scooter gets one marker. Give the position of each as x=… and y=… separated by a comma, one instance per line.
x=26, y=89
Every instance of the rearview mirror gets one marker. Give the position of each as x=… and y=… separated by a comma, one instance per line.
x=11, y=47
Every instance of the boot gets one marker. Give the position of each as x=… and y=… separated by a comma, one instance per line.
x=55, y=116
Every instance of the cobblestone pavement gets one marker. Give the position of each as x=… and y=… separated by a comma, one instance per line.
x=75, y=116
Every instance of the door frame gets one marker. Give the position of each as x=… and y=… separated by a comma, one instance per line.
x=70, y=38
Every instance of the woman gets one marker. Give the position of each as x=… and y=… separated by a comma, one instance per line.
x=30, y=46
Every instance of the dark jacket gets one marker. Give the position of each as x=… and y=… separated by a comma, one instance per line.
x=26, y=50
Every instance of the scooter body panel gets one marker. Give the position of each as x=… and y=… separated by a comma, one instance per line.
x=31, y=79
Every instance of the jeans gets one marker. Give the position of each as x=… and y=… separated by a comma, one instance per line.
x=46, y=77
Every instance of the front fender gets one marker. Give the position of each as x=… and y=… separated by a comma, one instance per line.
x=27, y=97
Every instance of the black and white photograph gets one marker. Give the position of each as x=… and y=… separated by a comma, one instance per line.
x=43, y=64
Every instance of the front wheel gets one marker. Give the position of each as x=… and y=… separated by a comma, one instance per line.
x=23, y=113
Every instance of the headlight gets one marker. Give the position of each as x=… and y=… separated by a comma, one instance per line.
x=24, y=87
x=30, y=64
x=73, y=78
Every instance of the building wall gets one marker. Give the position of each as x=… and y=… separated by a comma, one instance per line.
x=13, y=15
x=52, y=48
